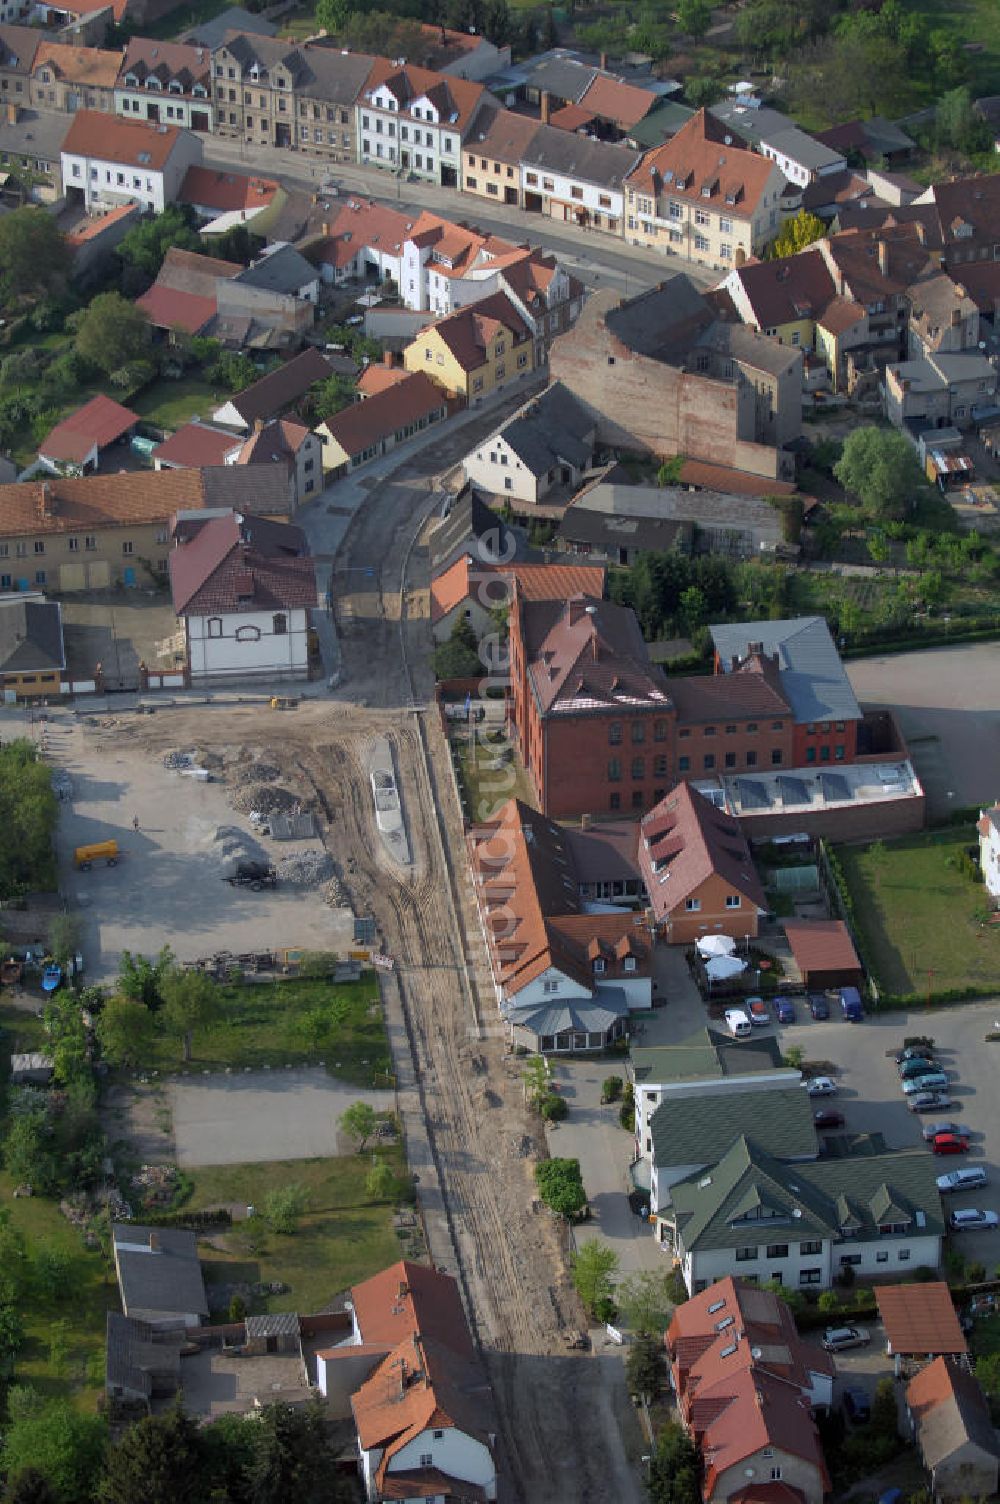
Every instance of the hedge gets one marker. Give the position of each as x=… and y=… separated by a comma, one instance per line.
x=924, y=637
x=195, y=1221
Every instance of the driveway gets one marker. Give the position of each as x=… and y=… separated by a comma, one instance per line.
x=255, y=1117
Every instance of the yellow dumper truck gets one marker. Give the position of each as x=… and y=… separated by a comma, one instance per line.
x=84, y=857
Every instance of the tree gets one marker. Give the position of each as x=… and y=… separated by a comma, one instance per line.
x=458, y=658
x=29, y=1486
x=63, y=1444
x=594, y=1268
x=358, y=1123
x=294, y=1457
x=34, y=257
x=380, y=1182
x=190, y=1001
x=284, y=1207
x=885, y=1416
x=958, y=124
x=646, y=1302
x=693, y=609
x=496, y=22
x=29, y=1154
x=882, y=470
x=331, y=15
x=560, y=1186
x=125, y=1031
x=147, y=243
x=28, y=814
x=694, y=17
x=673, y=1468
x=233, y=370
x=644, y=1365
x=159, y=1460
x=536, y=1078
x=64, y=937
x=796, y=234
x=331, y=396
x=111, y=332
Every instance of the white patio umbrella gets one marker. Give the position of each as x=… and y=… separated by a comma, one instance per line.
x=716, y=945
x=721, y=968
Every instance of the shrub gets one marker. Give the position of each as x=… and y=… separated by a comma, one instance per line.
x=560, y=1186
x=605, y=1310
x=553, y=1108
x=828, y=1301
x=611, y=1088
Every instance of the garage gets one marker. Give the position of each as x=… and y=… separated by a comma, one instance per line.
x=824, y=953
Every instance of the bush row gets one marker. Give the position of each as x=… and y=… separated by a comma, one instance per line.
x=194, y=1221
x=974, y=629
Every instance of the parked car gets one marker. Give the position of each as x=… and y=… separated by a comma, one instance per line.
x=857, y=1406
x=972, y=1219
x=821, y=1086
x=926, y=1047
x=850, y=1005
x=929, y=1101
x=738, y=1023
x=950, y=1143
x=962, y=1180
x=785, y=1010
x=931, y=1130
x=758, y=1010
x=930, y=1081
x=818, y=1005
x=827, y=1119
x=837, y=1338
x=918, y=1065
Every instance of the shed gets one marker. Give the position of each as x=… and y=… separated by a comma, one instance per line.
x=950, y=1419
x=31, y=1070
x=920, y=1320
x=824, y=953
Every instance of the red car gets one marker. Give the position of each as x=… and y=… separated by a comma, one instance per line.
x=949, y=1143
x=824, y=1119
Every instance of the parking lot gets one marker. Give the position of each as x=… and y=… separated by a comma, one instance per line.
x=167, y=886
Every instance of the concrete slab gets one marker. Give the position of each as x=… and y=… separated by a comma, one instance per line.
x=255, y=1117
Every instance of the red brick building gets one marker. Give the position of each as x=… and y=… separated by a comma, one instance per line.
x=591, y=715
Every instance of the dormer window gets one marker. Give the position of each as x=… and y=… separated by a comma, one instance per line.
x=131, y=82
x=629, y=963
x=174, y=87
x=599, y=966
x=153, y=83
x=199, y=91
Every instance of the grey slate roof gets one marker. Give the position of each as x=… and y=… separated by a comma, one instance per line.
x=748, y=1197
x=550, y=428
x=280, y=1324
x=700, y=1129
x=580, y=157
x=561, y=76
x=135, y=1352
x=211, y=33
x=284, y=270
x=778, y=131
x=813, y=679
x=166, y=1277
x=594, y=1015
x=468, y=522
x=31, y=636
x=946, y=1427
x=35, y=133
x=607, y=534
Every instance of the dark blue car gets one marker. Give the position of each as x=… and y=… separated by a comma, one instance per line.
x=785, y=1010
x=818, y=1005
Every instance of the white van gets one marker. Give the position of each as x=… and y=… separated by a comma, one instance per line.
x=738, y=1023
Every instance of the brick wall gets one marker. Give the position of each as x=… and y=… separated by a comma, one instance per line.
x=858, y=822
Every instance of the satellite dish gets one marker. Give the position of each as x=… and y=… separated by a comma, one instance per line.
x=748, y=1472
x=755, y=1352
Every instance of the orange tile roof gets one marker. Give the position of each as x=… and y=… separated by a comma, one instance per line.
x=98, y=422
x=79, y=65
x=358, y=427
x=169, y=308
x=920, y=1318
x=107, y=138
x=683, y=841
x=931, y=1386
x=99, y=223
x=379, y=378
x=733, y=482
x=535, y=582
x=360, y=223
x=821, y=945
x=65, y=505
x=698, y=158
x=619, y=102
x=226, y=192
x=408, y=1298
x=572, y=117
x=754, y=1410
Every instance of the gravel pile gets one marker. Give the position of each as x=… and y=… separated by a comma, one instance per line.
x=306, y=869
x=263, y=799
x=231, y=846
x=179, y=759
x=333, y=894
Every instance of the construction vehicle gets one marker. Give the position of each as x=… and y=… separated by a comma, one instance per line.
x=283, y=702
x=253, y=875
x=84, y=857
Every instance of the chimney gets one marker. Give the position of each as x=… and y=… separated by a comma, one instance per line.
x=325, y=229
x=13, y=111
x=388, y=359
x=584, y=822
x=921, y=232
x=154, y=1242
x=258, y=425
x=46, y=501
x=546, y=106
x=883, y=258
x=403, y=1289
x=604, y=62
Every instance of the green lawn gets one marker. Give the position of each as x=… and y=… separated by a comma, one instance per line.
x=177, y=21
x=975, y=21
x=298, y=23
x=295, y=1022
x=169, y=404
x=919, y=917
x=341, y=1239
x=486, y=788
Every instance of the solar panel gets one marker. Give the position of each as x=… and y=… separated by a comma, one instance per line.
x=752, y=795
x=793, y=790
x=835, y=788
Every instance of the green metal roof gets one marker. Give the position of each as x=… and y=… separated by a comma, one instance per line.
x=749, y=1198
x=660, y=124
x=704, y=1055
x=700, y=1130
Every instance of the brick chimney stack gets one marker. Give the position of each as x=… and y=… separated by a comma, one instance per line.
x=546, y=106
x=883, y=258
x=46, y=501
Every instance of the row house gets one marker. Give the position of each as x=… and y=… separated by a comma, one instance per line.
x=476, y=350
x=705, y=196
x=575, y=180
x=272, y=93
x=166, y=81
x=18, y=48
x=74, y=78
x=801, y=158
x=109, y=161
x=414, y=121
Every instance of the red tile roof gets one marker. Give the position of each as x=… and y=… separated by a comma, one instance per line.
x=194, y=445
x=746, y=693
x=795, y=287
x=94, y=226
x=821, y=945
x=619, y=102
x=683, y=841
x=276, y=392
x=235, y=564
x=183, y=63
x=698, y=158
x=66, y=505
x=920, y=1319
x=733, y=482
x=226, y=192
x=407, y=1298
x=589, y=655
x=535, y=582
x=376, y=378
x=98, y=422
x=89, y=66
x=754, y=1411
x=276, y=442
x=358, y=427
x=469, y=330
x=109, y=138
x=166, y=308
x=190, y=271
